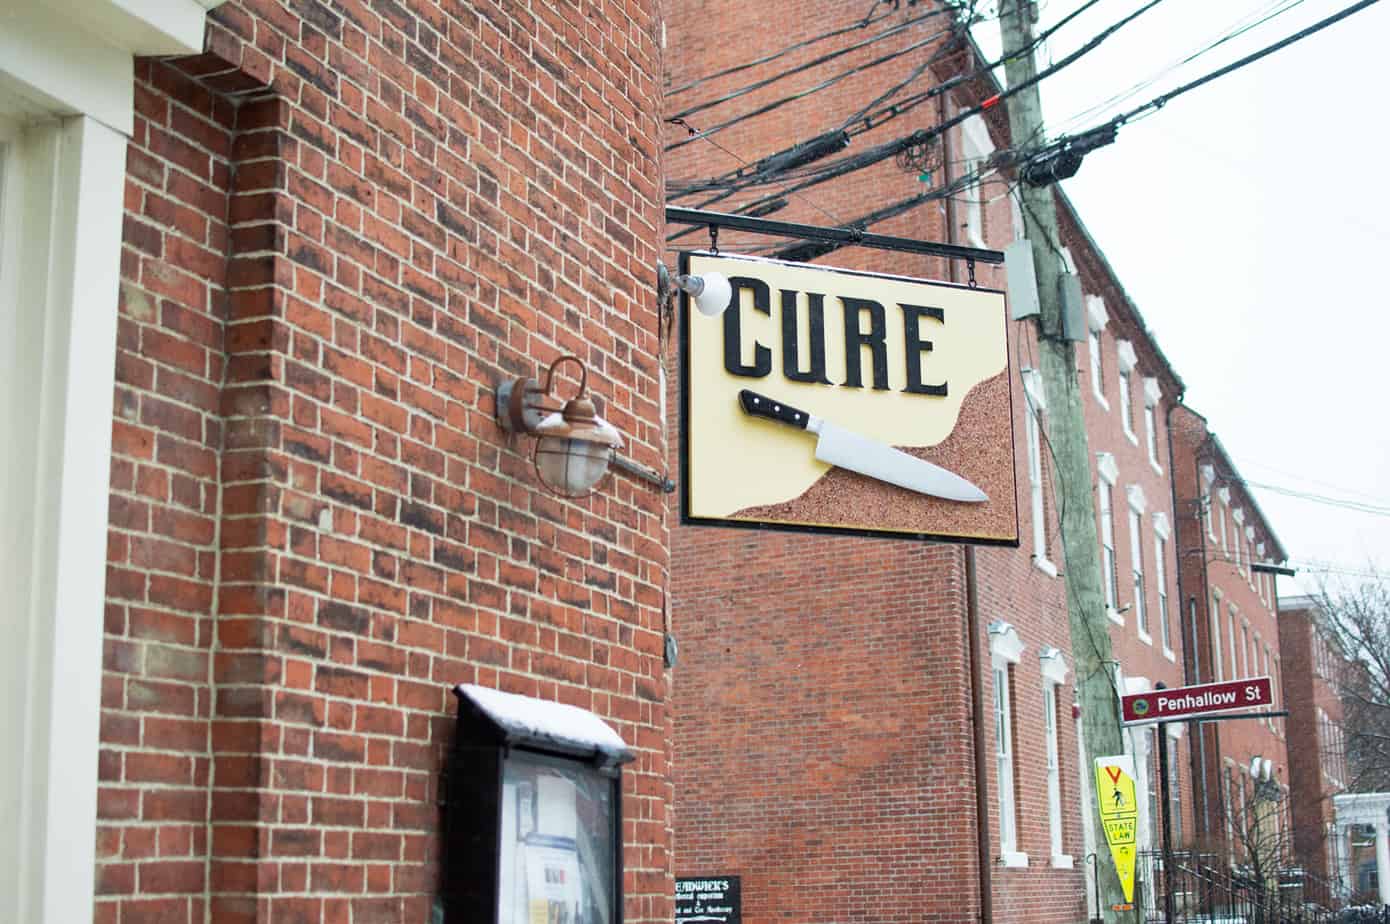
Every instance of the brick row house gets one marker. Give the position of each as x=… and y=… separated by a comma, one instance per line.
x=263, y=265
x=822, y=724
x=1232, y=611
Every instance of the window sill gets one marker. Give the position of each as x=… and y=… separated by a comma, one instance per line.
x=1144, y=637
x=1013, y=859
x=1170, y=654
x=1045, y=565
x=1132, y=436
x=1158, y=469
x=1114, y=616
x=1062, y=861
x=1100, y=399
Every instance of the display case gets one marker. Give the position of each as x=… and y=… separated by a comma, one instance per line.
x=533, y=823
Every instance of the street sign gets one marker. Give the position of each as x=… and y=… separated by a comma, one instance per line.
x=1119, y=814
x=1195, y=701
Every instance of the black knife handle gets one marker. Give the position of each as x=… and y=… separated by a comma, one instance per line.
x=756, y=405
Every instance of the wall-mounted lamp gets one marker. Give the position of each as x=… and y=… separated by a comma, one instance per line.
x=573, y=444
x=710, y=291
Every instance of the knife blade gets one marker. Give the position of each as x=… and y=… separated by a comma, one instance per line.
x=844, y=448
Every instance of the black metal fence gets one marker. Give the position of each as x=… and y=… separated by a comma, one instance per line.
x=1206, y=890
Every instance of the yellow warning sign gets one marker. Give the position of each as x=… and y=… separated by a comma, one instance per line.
x=1119, y=814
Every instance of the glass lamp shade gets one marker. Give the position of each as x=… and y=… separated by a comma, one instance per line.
x=571, y=467
x=574, y=447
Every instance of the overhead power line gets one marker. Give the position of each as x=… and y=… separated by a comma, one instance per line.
x=1054, y=162
x=815, y=62
x=921, y=136
x=797, y=46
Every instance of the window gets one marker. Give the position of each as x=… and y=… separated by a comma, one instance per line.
x=1231, y=637
x=1244, y=648
x=1208, y=476
x=1097, y=317
x=1151, y=786
x=1054, y=769
x=1004, y=756
x=1036, y=404
x=1224, y=513
x=1111, y=576
x=1152, y=393
x=1150, y=433
x=1006, y=648
x=1126, y=404
x=1165, y=631
x=1136, y=557
x=976, y=147
x=1124, y=352
x=1054, y=674
x=1174, y=790
x=1216, y=659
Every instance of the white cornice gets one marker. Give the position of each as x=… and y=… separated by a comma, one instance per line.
x=1096, y=314
x=1054, y=665
x=1105, y=465
x=1125, y=350
x=1004, y=642
x=1152, y=392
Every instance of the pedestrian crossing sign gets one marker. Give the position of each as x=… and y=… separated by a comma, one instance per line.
x=1119, y=814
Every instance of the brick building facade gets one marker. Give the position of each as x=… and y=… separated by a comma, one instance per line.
x=823, y=700
x=1231, y=609
x=339, y=226
x=1318, y=770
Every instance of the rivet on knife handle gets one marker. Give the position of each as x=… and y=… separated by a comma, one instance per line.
x=757, y=405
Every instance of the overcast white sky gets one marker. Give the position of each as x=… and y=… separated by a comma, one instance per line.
x=1248, y=221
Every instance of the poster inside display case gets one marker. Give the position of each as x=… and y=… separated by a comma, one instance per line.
x=557, y=845
x=534, y=813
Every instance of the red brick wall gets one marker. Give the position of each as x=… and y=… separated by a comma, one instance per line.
x=344, y=225
x=1305, y=691
x=1230, y=745
x=764, y=657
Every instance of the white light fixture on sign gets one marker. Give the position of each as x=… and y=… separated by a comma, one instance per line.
x=573, y=444
x=710, y=292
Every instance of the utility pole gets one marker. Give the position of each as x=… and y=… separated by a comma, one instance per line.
x=1090, y=631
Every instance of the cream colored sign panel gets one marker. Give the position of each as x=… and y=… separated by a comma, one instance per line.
x=876, y=363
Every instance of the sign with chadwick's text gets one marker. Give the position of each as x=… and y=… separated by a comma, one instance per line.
x=709, y=900
x=839, y=401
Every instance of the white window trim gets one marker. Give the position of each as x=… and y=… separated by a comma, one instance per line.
x=1109, y=474
x=1054, y=673
x=1126, y=362
x=1035, y=407
x=1152, y=394
x=1006, y=648
x=1217, y=655
x=67, y=74
x=1208, y=477
x=1163, y=535
x=976, y=147
x=1136, y=564
x=1097, y=317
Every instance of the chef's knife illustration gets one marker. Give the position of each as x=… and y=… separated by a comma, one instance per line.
x=838, y=446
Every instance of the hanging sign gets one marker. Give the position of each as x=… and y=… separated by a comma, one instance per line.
x=1119, y=814
x=1195, y=701
x=839, y=401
